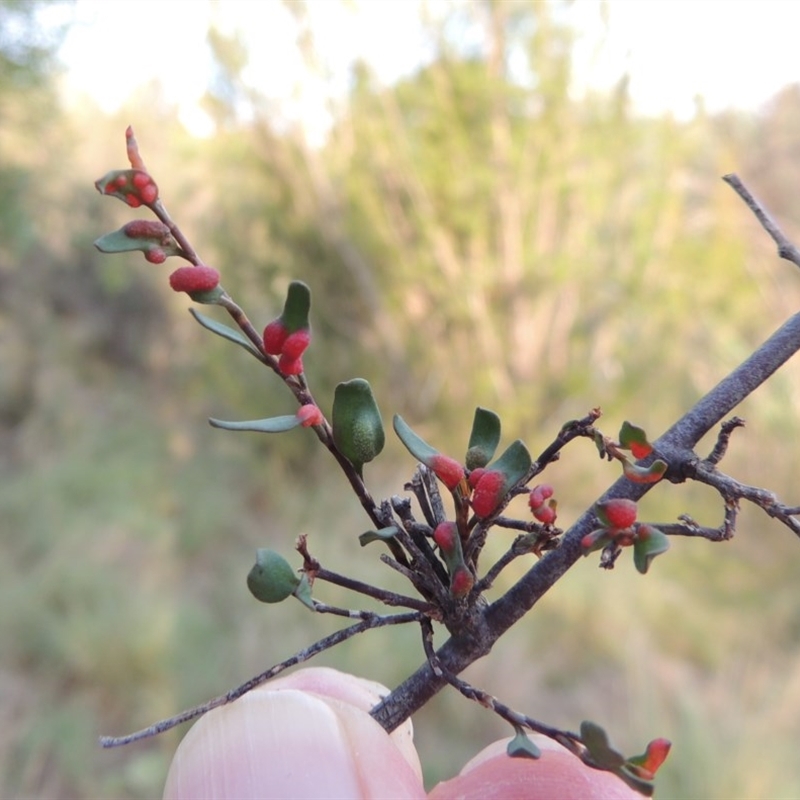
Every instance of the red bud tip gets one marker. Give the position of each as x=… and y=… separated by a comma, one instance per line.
x=290, y=366
x=488, y=493
x=309, y=415
x=445, y=536
x=475, y=476
x=539, y=494
x=447, y=470
x=657, y=752
x=275, y=334
x=641, y=450
x=619, y=512
x=155, y=255
x=194, y=279
x=133, y=149
x=146, y=229
x=296, y=343
x=461, y=581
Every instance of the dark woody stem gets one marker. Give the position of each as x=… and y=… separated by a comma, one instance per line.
x=675, y=447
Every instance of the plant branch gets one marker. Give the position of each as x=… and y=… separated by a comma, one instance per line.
x=733, y=491
x=785, y=248
x=370, y=621
x=675, y=447
x=315, y=572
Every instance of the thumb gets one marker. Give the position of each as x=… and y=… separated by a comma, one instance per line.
x=289, y=743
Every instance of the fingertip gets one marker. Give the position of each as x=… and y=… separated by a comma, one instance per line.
x=493, y=775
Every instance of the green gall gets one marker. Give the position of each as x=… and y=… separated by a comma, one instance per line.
x=272, y=579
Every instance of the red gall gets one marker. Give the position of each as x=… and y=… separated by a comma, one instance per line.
x=461, y=581
x=546, y=514
x=539, y=494
x=447, y=470
x=309, y=415
x=446, y=535
x=155, y=255
x=619, y=512
x=295, y=344
x=194, y=279
x=488, y=493
x=146, y=229
x=275, y=334
x=290, y=366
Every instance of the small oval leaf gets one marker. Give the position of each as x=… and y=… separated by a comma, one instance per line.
x=303, y=592
x=415, y=444
x=269, y=425
x=522, y=746
x=484, y=438
x=356, y=421
x=514, y=463
x=633, y=438
x=650, y=542
x=225, y=332
x=296, y=307
x=382, y=535
x=652, y=474
x=596, y=741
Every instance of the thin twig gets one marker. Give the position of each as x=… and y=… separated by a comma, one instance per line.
x=785, y=248
x=723, y=438
x=383, y=595
x=373, y=621
x=569, y=431
x=733, y=491
x=533, y=542
x=434, y=568
x=572, y=741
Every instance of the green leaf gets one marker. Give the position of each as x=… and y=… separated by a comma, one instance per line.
x=356, y=421
x=633, y=438
x=296, y=307
x=522, y=746
x=303, y=592
x=382, y=535
x=514, y=463
x=596, y=540
x=415, y=445
x=600, y=444
x=601, y=752
x=650, y=542
x=225, y=331
x=484, y=438
x=120, y=242
x=269, y=425
x=652, y=474
x=133, y=186
x=271, y=578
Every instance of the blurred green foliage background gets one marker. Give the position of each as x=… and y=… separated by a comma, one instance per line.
x=471, y=238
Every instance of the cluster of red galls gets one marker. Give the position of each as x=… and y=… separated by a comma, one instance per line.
x=278, y=340
x=489, y=488
x=135, y=187
x=289, y=346
x=618, y=517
